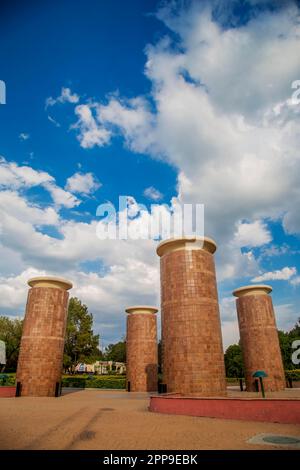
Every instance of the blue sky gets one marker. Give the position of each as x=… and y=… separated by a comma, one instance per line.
x=94, y=48
x=162, y=102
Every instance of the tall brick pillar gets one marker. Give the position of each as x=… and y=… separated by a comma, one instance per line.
x=141, y=349
x=42, y=344
x=259, y=337
x=193, y=360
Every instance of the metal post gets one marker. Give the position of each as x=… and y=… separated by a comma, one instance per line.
x=18, y=389
x=58, y=389
x=262, y=387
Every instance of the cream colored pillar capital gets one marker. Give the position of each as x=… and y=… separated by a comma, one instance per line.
x=259, y=289
x=49, y=281
x=141, y=309
x=186, y=243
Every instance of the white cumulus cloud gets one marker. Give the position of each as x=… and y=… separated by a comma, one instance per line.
x=283, y=274
x=252, y=234
x=234, y=139
x=219, y=111
x=82, y=183
x=66, y=96
x=91, y=132
x=16, y=177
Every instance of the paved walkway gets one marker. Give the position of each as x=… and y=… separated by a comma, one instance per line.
x=91, y=419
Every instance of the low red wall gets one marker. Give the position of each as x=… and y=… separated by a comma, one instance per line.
x=251, y=409
x=7, y=392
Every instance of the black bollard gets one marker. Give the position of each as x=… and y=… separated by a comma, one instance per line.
x=18, y=389
x=262, y=387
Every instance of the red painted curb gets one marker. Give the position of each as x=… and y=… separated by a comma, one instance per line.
x=274, y=410
x=7, y=392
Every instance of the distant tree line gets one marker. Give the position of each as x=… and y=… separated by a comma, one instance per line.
x=115, y=352
x=10, y=333
x=234, y=359
x=82, y=345
x=286, y=340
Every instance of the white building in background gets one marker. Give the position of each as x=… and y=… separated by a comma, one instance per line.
x=101, y=368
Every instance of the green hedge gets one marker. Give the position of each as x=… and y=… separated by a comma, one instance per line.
x=97, y=381
x=113, y=381
x=293, y=374
x=103, y=382
x=78, y=381
x=7, y=379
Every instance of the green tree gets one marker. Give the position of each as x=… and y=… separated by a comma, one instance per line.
x=285, y=340
x=116, y=352
x=286, y=349
x=295, y=332
x=81, y=344
x=10, y=333
x=234, y=361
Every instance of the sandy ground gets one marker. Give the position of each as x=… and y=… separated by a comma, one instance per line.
x=93, y=419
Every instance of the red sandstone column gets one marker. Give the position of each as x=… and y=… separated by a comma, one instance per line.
x=141, y=349
x=193, y=359
x=42, y=344
x=259, y=337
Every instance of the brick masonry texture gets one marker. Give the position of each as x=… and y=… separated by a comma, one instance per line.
x=42, y=344
x=259, y=341
x=141, y=352
x=193, y=361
